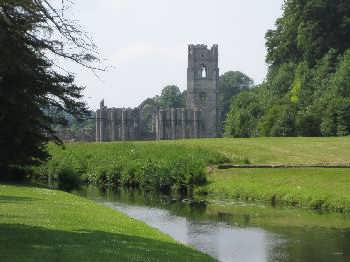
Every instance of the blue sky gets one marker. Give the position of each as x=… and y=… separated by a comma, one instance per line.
x=146, y=42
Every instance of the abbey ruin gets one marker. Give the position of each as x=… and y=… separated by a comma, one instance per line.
x=199, y=119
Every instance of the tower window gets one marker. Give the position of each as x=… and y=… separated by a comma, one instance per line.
x=203, y=72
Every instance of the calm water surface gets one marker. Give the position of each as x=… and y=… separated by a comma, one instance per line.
x=238, y=231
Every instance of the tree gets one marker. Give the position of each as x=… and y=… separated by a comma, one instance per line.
x=307, y=88
x=231, y=84
x=242, y=118
x=308, y=124
x=32, y=35
x=171, y=97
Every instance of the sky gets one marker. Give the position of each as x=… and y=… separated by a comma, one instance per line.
x=145, y=42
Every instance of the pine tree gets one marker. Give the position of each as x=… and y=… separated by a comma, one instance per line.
x=30, y=82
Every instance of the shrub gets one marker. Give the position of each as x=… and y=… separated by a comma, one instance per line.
x=68, y=179
x=151, y=166
x=131, y=175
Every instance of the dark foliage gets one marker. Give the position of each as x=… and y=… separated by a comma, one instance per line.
x=230, y=85
x=307, y=89
x=30, y=83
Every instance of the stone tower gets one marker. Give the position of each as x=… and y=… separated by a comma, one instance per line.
x=202, y=86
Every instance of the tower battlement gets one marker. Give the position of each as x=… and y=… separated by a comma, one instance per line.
x=202, y=84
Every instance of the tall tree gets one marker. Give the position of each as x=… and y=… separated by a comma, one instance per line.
x=306, y=90
x=231, y=84
x=33, y=34
x=171, y=97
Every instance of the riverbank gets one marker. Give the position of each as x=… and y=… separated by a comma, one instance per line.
x=227, y=210
x=47, y=225
x=316, y=188
x=174, y=165
x=238, y=230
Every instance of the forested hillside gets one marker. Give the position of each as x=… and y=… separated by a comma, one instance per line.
x=307, y=88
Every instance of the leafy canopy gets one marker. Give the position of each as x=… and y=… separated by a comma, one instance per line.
x=307, y=88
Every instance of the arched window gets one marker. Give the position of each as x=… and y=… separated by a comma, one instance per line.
x=203, y=72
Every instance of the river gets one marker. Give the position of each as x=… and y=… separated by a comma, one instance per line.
x=233, y=231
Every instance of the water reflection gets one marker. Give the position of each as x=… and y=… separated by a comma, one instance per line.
x=238, y=231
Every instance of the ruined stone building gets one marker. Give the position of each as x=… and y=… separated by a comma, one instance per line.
x=114, y=124
x=199, y=119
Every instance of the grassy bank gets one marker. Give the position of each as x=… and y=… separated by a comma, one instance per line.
x=258, y=214
x=305, y=187
x=228, y=210
x=168, y=165
x=150, y=165
x=45, y=225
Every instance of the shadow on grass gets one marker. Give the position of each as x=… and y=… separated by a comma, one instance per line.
x=15, y=199
x=26, y=243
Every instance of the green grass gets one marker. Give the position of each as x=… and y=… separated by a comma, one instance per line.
x=182, y=163
x=305, y=187
x=294, y=150
x=46, y=225
x=150, y=165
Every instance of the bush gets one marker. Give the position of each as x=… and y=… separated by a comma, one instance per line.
x=68, y=179
x=106, y=175
x=151, y=166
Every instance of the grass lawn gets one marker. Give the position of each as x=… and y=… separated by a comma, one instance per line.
x=293, y=150
x=305, y=187
x=46, y=225
x=308, y=187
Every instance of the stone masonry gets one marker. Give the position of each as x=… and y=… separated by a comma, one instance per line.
x=178, y=123
x=113, y=124
x=199, y=119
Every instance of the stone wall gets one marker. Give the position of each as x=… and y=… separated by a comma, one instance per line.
x=200, y=117
x=202, y=85
x=198, y=120
x=178, y=123
x=113, y=124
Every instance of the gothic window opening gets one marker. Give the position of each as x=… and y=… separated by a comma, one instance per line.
x=203, y=72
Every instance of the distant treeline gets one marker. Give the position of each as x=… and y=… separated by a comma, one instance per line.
x=307, y=88
x=74, y=129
